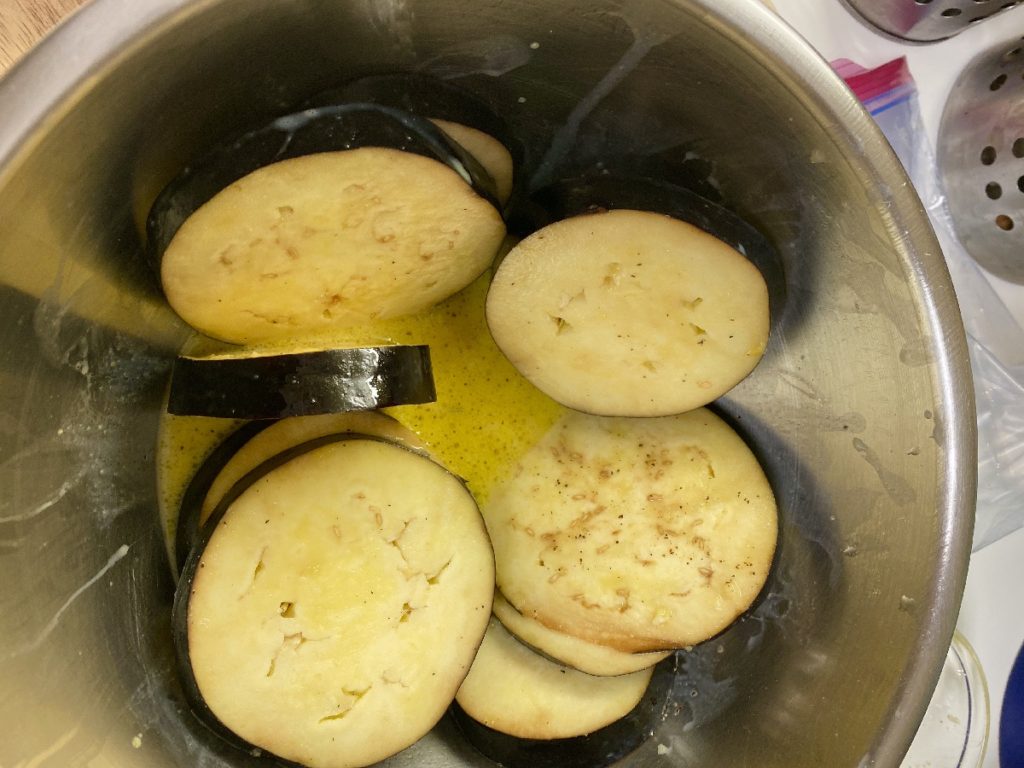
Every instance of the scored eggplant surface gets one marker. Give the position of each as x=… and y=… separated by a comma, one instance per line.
x=314, y=243
x=300, y=384
x=629, y=313
x=638, y=534
x=463, y=117
x=257, y=442
x=327, y=128
x=342, y=582
x=619, y=191
x=592, y=658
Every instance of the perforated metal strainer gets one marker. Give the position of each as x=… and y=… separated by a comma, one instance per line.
x=981, y=158
x=928, y=20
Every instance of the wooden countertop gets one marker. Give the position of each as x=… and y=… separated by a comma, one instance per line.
x=23, y=22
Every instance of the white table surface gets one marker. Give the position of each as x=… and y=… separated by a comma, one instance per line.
x=992, y=615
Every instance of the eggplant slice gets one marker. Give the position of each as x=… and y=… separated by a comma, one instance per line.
x=608, y=192
x=426, y=96
x=638, y=534
x=488, y=151
x=311, y=244
x=327, y=128
x=514, y=690
x=579, y=654
x=259, y=441
x=629, y=313
x=338, y=583
x=300, y=384
x=596, y=750
x=187, y=530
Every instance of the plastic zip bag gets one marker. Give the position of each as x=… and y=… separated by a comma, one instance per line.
x=995, y=339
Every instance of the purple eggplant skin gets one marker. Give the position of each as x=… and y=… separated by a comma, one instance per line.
x=428, y=97
x=328, y=128
x=187, y=531
x=601, y=748
x=302, y=384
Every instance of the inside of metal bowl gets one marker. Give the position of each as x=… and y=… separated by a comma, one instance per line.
x=861, y=410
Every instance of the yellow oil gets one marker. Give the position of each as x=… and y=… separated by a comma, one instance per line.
x=182, y=444
x=485, y=417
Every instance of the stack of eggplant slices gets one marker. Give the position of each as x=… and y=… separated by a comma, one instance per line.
x=415, y=465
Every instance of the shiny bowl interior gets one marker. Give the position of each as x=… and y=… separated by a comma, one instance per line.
x=861, y=410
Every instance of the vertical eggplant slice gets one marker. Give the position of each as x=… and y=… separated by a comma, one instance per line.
x=300, y=384
x=592, y=658
x=629, y=313
x=489, y=152
x=637, y=534
x=343, y=581
x=259, y=441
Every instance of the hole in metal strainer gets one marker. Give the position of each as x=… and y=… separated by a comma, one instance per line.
x=951, y=12
x=996, y=84
x=1004, y=222
x=988, y=155
x=1018, y=148
x=993, y=190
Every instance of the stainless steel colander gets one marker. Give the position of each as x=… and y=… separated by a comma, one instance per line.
x=928, y=20
x=981, y=158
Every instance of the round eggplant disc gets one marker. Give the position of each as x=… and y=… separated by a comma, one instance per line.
x=638, y=534
x=350, y=582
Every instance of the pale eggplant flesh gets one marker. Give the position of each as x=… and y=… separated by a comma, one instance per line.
x=258, y=441
x=601, y=748
x=449, y=599
x=327, y=128
x=594, y=193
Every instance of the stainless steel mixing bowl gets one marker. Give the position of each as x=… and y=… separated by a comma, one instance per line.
x=862, y=409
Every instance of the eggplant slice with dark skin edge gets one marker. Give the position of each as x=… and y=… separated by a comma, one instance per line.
x=591, y=194
x=258, y=441
x=301, y=384
x=180, y=608
x=427, y=97
x=187, y=530
x=596, y=750
x=567, y=650
x=328, y=128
